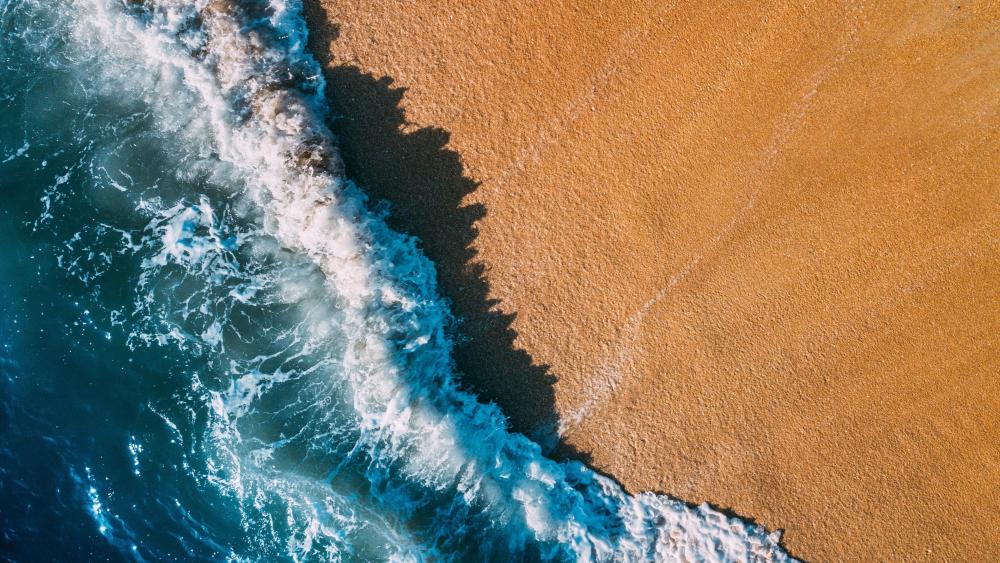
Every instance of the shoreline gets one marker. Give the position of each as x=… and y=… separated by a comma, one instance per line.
x=735, y=294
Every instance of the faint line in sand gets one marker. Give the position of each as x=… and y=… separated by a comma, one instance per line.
x=620, y=360
x=556, y=126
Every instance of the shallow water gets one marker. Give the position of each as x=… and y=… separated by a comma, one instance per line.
x=211, y=347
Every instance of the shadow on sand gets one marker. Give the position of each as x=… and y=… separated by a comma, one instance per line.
x=425, y=184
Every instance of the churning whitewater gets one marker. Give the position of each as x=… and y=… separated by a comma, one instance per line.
x=263, y=369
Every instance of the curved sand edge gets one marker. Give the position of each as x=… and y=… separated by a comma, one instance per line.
x=757, y=247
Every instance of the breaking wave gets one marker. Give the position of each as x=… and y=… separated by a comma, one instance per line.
x=309, y=401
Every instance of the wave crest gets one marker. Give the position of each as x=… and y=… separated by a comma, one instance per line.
x=234, y=78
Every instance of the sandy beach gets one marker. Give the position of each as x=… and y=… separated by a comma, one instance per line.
x=744, y=254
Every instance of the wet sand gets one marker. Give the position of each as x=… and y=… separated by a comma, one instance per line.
x=741, y=254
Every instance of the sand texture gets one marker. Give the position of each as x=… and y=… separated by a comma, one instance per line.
x=739, y=253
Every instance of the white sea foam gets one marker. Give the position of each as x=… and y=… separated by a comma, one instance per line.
x=234, y=81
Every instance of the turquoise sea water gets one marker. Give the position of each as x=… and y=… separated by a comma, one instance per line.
x=210, y=347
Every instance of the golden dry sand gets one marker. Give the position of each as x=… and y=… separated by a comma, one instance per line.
x=753, y=250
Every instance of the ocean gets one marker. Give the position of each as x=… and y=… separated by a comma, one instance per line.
x=213, y=348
